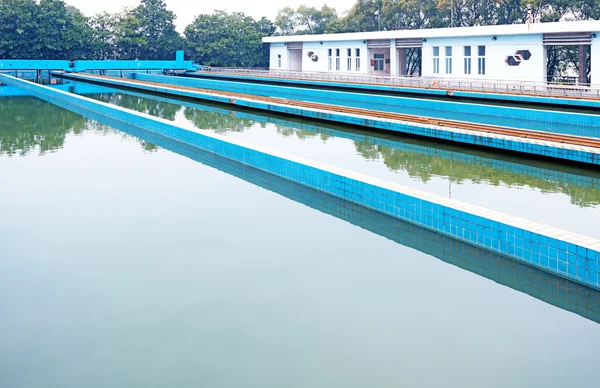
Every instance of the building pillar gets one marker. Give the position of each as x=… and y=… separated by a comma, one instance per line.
x=393, y=58
x=595, y=59
x=402, y=61
x=582, y=65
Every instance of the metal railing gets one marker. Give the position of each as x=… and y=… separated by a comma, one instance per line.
x=478, y=85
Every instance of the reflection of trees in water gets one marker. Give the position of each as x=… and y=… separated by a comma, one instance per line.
x=29, y=124
x=424, y=167
x=217, y=121
x=153, y=107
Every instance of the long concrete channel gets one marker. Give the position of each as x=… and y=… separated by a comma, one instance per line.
x=558, y=146
x=566, y=254
x=504, y=93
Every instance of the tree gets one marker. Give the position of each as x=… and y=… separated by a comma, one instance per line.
x=157, y=26
x=227, y=39
x=104, y=43
x=308, y=20
x=19, y=36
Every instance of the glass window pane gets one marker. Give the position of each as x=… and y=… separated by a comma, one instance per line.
x=436, y=51
x=481, y=50
x=467, y=51
x=448, y=51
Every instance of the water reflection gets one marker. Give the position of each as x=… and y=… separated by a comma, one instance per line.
x=544, y=286
x=420, y=159
x=32, y=125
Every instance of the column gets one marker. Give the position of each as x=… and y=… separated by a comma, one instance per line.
x=402, y=61
x=393, y=58
x=582, y=65
x=595, y=59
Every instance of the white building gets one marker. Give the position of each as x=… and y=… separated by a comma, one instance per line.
x=516, y=52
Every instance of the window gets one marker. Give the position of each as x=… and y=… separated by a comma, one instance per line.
x=481, y=60
x=329, y=60
x=349, y=64
x=278, y=60
x=436, y=60
x=467, y=60
x=448, y=59
x=448, y=65
x=337, y=63
x=357, y=64
x=379, y=62
x=337, y=52
x=349, y=52
x=357, y=52
x=329, y=52
x=436, y=51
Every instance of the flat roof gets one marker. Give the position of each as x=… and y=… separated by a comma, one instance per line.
x=451, y=32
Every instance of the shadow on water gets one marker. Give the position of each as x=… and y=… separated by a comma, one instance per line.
x=544, y=286
x=420, y=159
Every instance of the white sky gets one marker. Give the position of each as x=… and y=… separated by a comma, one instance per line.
x=187, y=10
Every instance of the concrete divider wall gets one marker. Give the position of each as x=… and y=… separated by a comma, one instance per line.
x=535, y=119
x=503, y=94
x=570, y=255
x=528, y=146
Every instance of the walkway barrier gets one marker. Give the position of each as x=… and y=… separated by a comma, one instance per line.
x=491, y=85
x=573, y=256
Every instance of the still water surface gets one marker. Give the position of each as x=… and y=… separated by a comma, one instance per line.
x=531, y=189
x=124, y=264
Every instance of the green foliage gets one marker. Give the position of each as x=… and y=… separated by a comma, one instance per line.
x=227, y=39
x=309, y=20
x=157, y=27
x=46, y=30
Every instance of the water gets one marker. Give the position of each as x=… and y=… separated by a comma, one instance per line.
x=531, y=189
x=124, y=263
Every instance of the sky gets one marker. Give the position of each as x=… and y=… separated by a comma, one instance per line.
x=187, y=10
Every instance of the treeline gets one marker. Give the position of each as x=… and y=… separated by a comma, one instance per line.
x=50, y=29
x=374, y=15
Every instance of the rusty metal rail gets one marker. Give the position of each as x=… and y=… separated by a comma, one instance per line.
x=452, y=124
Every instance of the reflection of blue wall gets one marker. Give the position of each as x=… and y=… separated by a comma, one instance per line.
x=547, y=120
x=72, y=87
x=542, y=285
x=572, y=256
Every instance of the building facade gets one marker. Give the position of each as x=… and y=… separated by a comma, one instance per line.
x=517, y=52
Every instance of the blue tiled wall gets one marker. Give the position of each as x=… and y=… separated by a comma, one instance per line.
x=480, y=140
x=550, y=254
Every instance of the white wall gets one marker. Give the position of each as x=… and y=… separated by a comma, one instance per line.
x=295, y=58
x=278, y=49
x=496, y=53
x=595, y=59
x=321, y=50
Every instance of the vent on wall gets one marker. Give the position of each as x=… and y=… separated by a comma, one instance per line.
x=568, y=39
x=378, y=43
x=409, y=43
